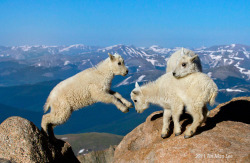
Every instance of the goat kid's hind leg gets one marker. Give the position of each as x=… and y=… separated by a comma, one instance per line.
x=166, y=119
x=123, y=100
x=205, y=113
x=57, y=118
x=47, y=126
x=197, y=116
x=51, y=132
x=176, y=113
x=45, y=123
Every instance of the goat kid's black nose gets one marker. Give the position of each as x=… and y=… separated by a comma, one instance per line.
x=174, y=73
x=127, y=71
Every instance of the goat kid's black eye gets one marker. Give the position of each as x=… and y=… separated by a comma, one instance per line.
x=135, y=100
x=119, y=63
x=183, y=64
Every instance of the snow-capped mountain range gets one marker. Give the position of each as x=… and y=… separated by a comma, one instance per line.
x=29, y=73
x=145, y=64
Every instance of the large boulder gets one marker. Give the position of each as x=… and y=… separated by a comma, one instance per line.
x=22, y=141
x=224, y=138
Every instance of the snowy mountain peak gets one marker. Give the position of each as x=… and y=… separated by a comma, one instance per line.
x=233, y=45
x=158, y=49
x=124, y=50
x=75, y=46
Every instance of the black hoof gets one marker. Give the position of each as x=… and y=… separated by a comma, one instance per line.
x=126, y=111
x=131, y=106
x=164, y=135
x=177, y=134
x=187, y=136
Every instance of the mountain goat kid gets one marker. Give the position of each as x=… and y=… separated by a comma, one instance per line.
x=183, y=62
x=194, y=91
x=85, y=88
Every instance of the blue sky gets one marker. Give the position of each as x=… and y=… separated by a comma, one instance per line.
x=167, y=23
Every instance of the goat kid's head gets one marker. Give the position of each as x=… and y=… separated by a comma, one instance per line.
x=117, y=65
x=138, y=98
x=185, y=65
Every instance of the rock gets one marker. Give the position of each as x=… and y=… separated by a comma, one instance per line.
x=224, y=138
x=22, y=141
x=4, y=161
x=105, y=156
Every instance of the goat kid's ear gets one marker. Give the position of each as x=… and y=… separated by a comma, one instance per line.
x=111, y=56
x=193, y=58
x=135, y=92
x=137, y=85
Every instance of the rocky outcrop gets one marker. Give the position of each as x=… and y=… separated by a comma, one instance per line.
x=2, y=160
x=224, y=138
x=22, y=141
x=105, y=156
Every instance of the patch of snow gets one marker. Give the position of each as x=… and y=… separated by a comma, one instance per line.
x=233, y=90
x=145, y=54
x=246, y=54
x=232, y=45
x=73, y=46
x=228, y=61
x=216, y=57
x=140, y=78
x=158, y=49
x=124, y=82
x=108, y=48
x=64, y=138
x=238, y=58
x=66, y=63
x=201, y=48
x=84, y=62
x=209, y=74
x=243, y=70
x=81, y=151
x=231, y=61
x=152, y=61
x=25, y=47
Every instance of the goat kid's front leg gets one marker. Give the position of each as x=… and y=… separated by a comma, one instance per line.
x=123, y=100
x=108, y=98
x=166, y=119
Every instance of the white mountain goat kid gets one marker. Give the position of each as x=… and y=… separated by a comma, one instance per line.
x=85, y=88
x=183, y=62
x=194, y=91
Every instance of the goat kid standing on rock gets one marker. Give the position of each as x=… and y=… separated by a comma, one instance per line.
x=193, y=91
x=85, y=88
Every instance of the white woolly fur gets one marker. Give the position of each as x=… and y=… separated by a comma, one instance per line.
x=85, y=88
x=183, y=62
x=193, y=91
